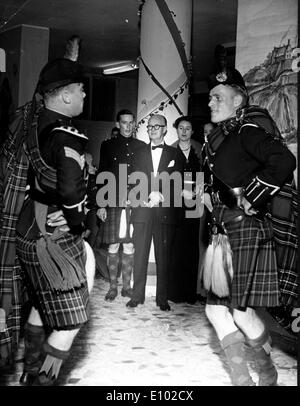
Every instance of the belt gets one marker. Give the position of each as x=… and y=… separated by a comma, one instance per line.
x=218, y=227
x=235, y=219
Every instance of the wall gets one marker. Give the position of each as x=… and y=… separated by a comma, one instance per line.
x=126, y=94
x=26, y=53
x=125, y=97
x=34, y=55
x=10, y=41
x=97, y=131
x=266, y=44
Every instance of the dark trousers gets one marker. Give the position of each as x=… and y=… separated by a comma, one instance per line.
x=163, y=235
x=185, y=259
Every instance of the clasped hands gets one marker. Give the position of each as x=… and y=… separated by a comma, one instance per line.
x=155, y=198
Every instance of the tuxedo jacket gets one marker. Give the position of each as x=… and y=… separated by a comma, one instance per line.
x=143, y=163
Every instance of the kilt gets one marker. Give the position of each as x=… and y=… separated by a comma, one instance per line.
x=109, y=229
x=284, y=211
x=255, y=277
x=60, y=310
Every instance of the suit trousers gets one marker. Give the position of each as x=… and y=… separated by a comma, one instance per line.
x=163, y=236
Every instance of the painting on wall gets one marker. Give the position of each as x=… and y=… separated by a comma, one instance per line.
x=266, y=48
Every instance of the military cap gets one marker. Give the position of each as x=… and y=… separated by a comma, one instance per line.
x=60, y=72
x=229, y=76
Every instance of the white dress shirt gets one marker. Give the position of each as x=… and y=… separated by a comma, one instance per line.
x=156, y=155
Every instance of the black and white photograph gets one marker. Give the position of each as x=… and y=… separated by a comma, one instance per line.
x=148, y=195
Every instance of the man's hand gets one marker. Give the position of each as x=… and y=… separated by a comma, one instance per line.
x=191, y=194
x=57, y=219
x=247, y=207
x=155, y=198
x=187, y=194
x=102, y=214
x=207, y=201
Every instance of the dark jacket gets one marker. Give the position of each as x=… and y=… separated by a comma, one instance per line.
x=61, y=147
x=116, y=151
x=251, y=158
x=167, y=164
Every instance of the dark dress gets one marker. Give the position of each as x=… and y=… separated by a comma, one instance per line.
x=182, y=286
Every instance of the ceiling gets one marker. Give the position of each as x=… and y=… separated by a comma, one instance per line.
x=109, y=28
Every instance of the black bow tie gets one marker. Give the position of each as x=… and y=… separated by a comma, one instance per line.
x=157, y=146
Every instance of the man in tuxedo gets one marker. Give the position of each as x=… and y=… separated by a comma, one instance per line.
x=151, y=219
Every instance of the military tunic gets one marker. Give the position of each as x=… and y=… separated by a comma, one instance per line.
x=113, y=153
x=61, y=150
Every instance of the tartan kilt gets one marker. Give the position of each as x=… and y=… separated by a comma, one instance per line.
x=109, y=229
x=9, y=337
x=284, y=209
x=255, y=277
x=58, y=309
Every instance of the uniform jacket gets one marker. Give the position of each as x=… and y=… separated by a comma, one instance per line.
x=115, y=151
x=251, y=158
x=143, y=163
x=61, y=147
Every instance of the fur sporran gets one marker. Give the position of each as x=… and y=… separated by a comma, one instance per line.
x=217, y=264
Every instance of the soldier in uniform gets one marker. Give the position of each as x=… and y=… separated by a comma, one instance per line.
x=118, y=150
x=246, y=167
x=54, y=259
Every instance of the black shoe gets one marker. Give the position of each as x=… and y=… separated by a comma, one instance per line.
x=133, y=303
x=44, y=380
x=201, y=299
x=165, y=307
x=126, y=292
x=111, y=295
x=27, y=378
x=191, y=301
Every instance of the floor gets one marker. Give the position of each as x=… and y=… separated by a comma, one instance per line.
x=147, y=347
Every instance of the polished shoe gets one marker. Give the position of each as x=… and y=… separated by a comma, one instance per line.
x=165, y=307
x=126, y=292
x=44, y=380
x=111, y=295
x=133, y=303
x=27, y=378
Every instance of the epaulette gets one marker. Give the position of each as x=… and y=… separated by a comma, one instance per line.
x=70, y=130
x=248, y=125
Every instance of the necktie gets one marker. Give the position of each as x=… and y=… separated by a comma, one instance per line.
x=157, y=146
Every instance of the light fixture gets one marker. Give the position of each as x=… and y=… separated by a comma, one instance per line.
x=120, y=68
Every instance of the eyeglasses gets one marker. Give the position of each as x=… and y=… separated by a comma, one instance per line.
x=156, y=127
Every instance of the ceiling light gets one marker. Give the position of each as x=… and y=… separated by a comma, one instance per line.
x=120, y=68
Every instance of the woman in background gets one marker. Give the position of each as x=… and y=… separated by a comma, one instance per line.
x=182, y=285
